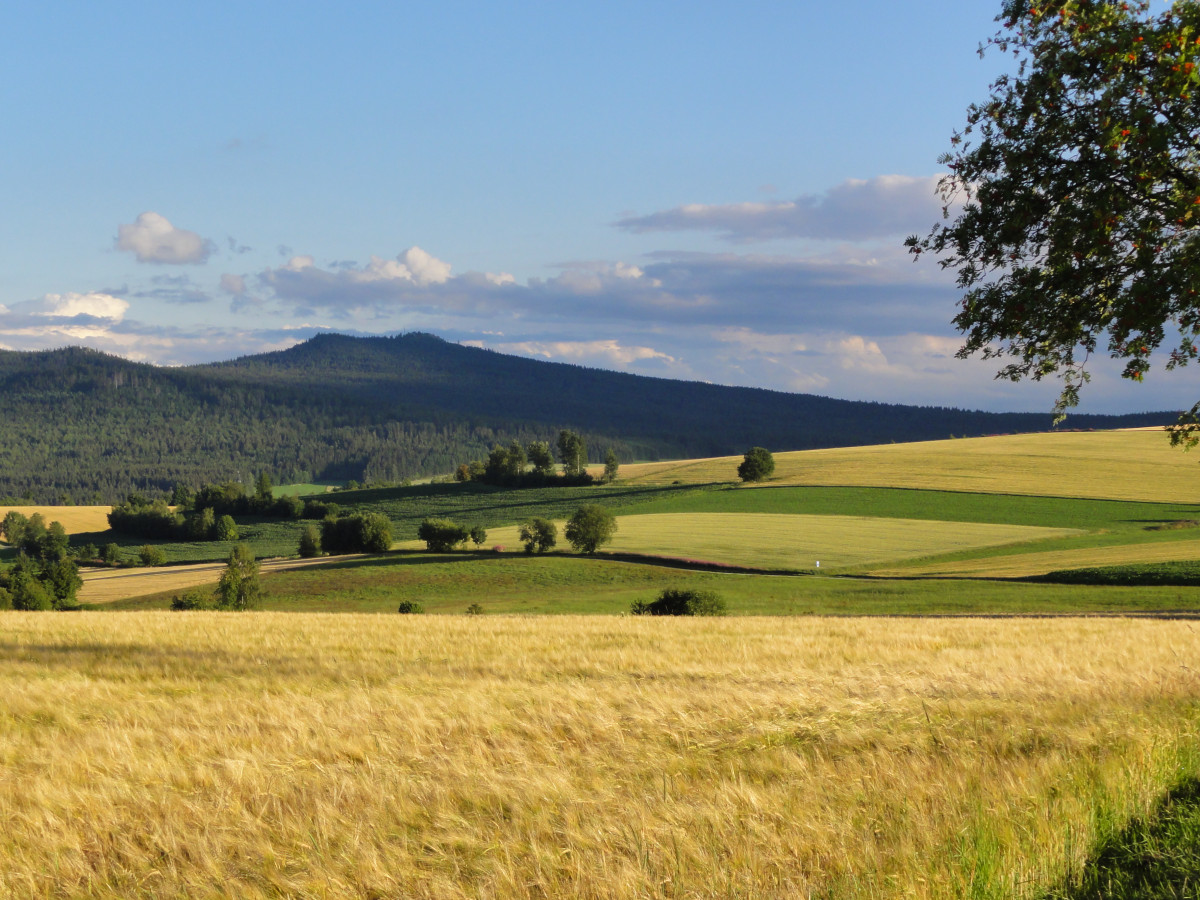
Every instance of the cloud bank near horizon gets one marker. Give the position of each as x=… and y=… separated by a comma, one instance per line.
x=837, y=307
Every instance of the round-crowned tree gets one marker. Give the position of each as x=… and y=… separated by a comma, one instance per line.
x=590, y=527
x=756, y=465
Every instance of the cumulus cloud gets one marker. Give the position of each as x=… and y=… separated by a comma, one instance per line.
x=880, y=207
x=74, y=306
x=608, y=351
x=153, y=239
x=233, y=284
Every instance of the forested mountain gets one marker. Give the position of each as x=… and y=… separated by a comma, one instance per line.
x=82, y=426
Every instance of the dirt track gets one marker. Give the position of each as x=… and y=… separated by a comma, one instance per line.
x=109, y=585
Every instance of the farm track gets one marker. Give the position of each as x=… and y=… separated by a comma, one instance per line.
x=110, y=585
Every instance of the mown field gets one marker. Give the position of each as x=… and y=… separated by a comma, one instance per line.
x=1115, y=465
x=269, y=755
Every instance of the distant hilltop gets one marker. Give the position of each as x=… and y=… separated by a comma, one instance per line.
x=83, y=426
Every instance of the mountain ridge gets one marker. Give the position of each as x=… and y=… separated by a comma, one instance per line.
x=83, y=425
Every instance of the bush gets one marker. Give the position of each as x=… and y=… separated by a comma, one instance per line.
x=474, y=610
x=310, y=542
x=680, y=602
x=478, y=536
x=441, y=535
x=151, y=555
x=410, y=607
x=359, y=533
x=195, y=599
x=226, y=529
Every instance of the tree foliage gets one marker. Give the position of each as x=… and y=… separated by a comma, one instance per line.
x=538, y=535
x=590, y=528
x=238, y=588
x=1074, y=193
x=611, y=467
x=681, y=602
x=757, y=465
x=441, y=535
x=573, y=452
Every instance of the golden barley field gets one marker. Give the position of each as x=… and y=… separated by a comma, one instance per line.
x=74, y=519
x=1136, y=464
x=306, y=755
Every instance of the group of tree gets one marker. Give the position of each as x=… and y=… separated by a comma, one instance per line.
x=533, y=464
x=441, y=535
x=45, y=576
x=207, y=513
x=365, y=532
x=589, y=528
x=238, y=588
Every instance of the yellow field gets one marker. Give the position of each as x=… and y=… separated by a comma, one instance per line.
x=109, y=585
x=1021, y=565
x=268, y=755
x=775, y=541
x=74, y=519
x=1118, y=465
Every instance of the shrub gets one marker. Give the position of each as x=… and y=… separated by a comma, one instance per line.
x=410, y=607
x=151, y=555
x=441, y=535
x=359, y=533
x=474, y=610
x=226, y=529
x=681, y=602
x=310, y=542
x=195, y=599
x=112, y=554
x=478, y=536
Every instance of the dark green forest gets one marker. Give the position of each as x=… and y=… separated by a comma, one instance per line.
x=79, y=426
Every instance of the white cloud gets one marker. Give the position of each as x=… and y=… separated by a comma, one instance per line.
x=610, y=351
x=856, y=209
x=69, y=306
x=153, y=239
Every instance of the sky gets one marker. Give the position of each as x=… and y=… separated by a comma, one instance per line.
x=699, y=190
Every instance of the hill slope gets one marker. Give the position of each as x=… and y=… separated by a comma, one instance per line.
x=85, y=426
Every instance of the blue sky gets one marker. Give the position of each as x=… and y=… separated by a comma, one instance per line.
x=695, y=190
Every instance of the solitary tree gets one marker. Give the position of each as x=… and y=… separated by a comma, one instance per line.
x=590, y=527
x=539, y=535
x=756, y=465
x=1073, y=196
x=238, y=588
x=611, y=466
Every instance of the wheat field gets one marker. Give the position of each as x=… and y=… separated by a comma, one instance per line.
x=307, y=755
x=74, y=519
x=1135, y=464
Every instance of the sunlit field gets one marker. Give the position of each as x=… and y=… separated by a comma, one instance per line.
x=1119, y=465
x=778, y=541
x=74, y=519
x=269, y=755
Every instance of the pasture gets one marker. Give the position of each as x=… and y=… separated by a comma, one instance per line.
x=798, y=542
x=508, y=757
